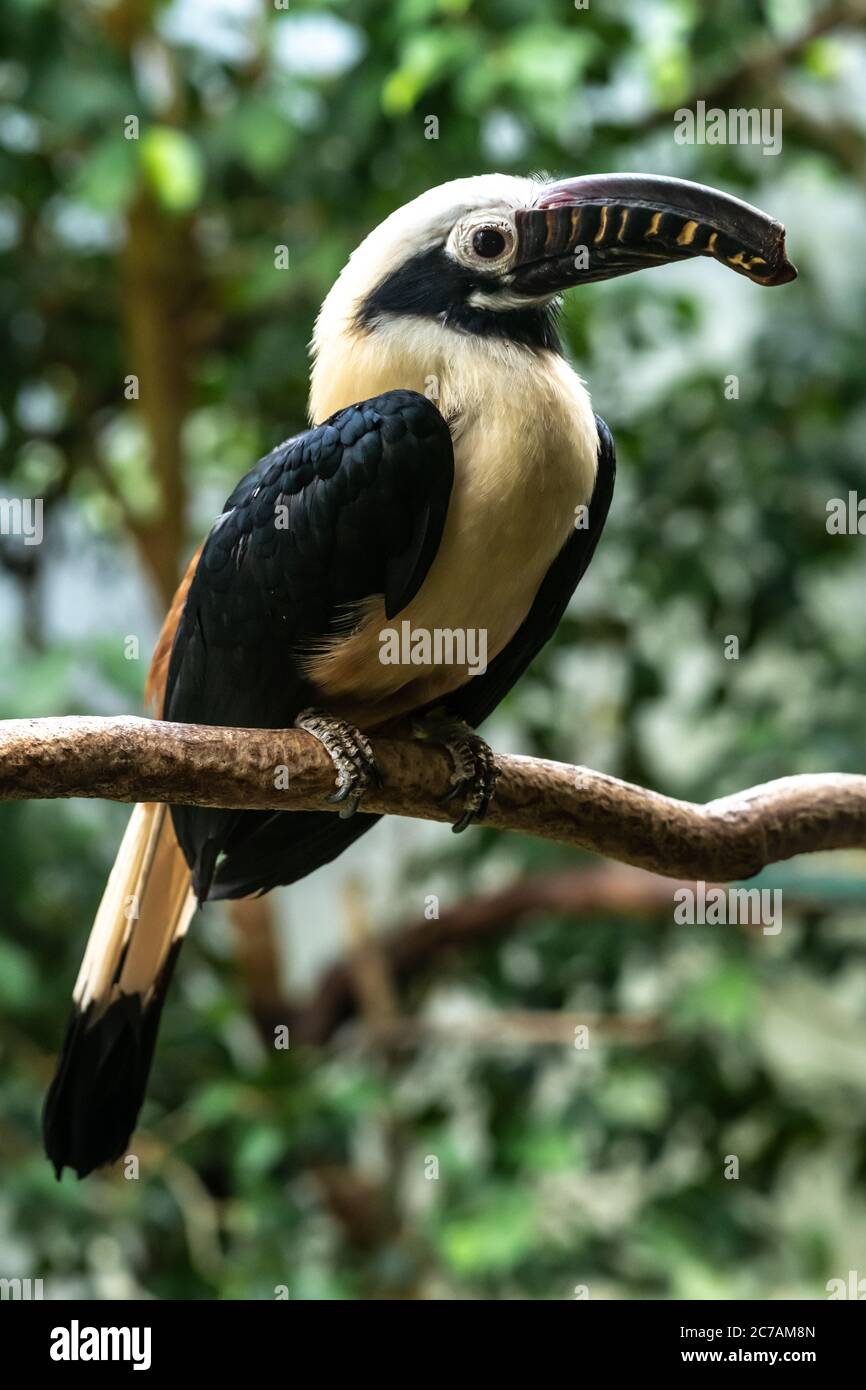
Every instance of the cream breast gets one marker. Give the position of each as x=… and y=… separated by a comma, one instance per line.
x=525, y=455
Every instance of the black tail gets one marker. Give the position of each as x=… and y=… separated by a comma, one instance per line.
x=98, y=1088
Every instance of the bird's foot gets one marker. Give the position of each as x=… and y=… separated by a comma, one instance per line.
x=475, y=772
x=349, y=751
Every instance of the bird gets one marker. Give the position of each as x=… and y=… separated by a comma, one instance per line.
x=454, y=478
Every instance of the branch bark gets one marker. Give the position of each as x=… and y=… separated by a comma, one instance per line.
x=131, y=759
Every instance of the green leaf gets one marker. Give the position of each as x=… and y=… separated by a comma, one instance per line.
x=173, y=168
x=260, y=1148
x=261, y=136
x=108, y=177
x=427, y=58
x=494, y=1238
x=18, y=980
x=726, y=997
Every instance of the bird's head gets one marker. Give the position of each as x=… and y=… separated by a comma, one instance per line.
x=488, y=258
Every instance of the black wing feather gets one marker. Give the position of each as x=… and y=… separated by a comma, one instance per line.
x=352, y=508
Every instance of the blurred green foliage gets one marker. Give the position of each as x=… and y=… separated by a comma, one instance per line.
x=557, y=1168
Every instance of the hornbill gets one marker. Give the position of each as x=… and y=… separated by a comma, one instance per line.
x=451, y=450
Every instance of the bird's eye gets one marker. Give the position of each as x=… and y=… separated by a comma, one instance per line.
x=486, y=242
x=489, y=243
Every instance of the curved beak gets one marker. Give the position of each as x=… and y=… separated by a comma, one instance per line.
x=604, y=225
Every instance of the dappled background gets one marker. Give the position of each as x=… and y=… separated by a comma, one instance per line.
x=432, y=1131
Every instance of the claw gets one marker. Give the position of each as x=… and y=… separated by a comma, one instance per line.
x=351, y=754
x=474, y=773
x=460, y=825
x=341, y=793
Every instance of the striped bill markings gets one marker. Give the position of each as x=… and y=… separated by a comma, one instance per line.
x=609, y=225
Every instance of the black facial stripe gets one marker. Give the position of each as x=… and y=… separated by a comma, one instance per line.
x=424, y=286
x=533, y=327
x=433, y=285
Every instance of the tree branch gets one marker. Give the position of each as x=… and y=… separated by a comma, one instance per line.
x=129, y=759
x=412, y=949
x=415, y=949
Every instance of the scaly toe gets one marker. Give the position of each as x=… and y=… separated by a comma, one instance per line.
x=474, y=774
x=351, y=754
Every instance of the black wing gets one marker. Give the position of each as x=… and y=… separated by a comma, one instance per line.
x=352, y=508
x=288, y=846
